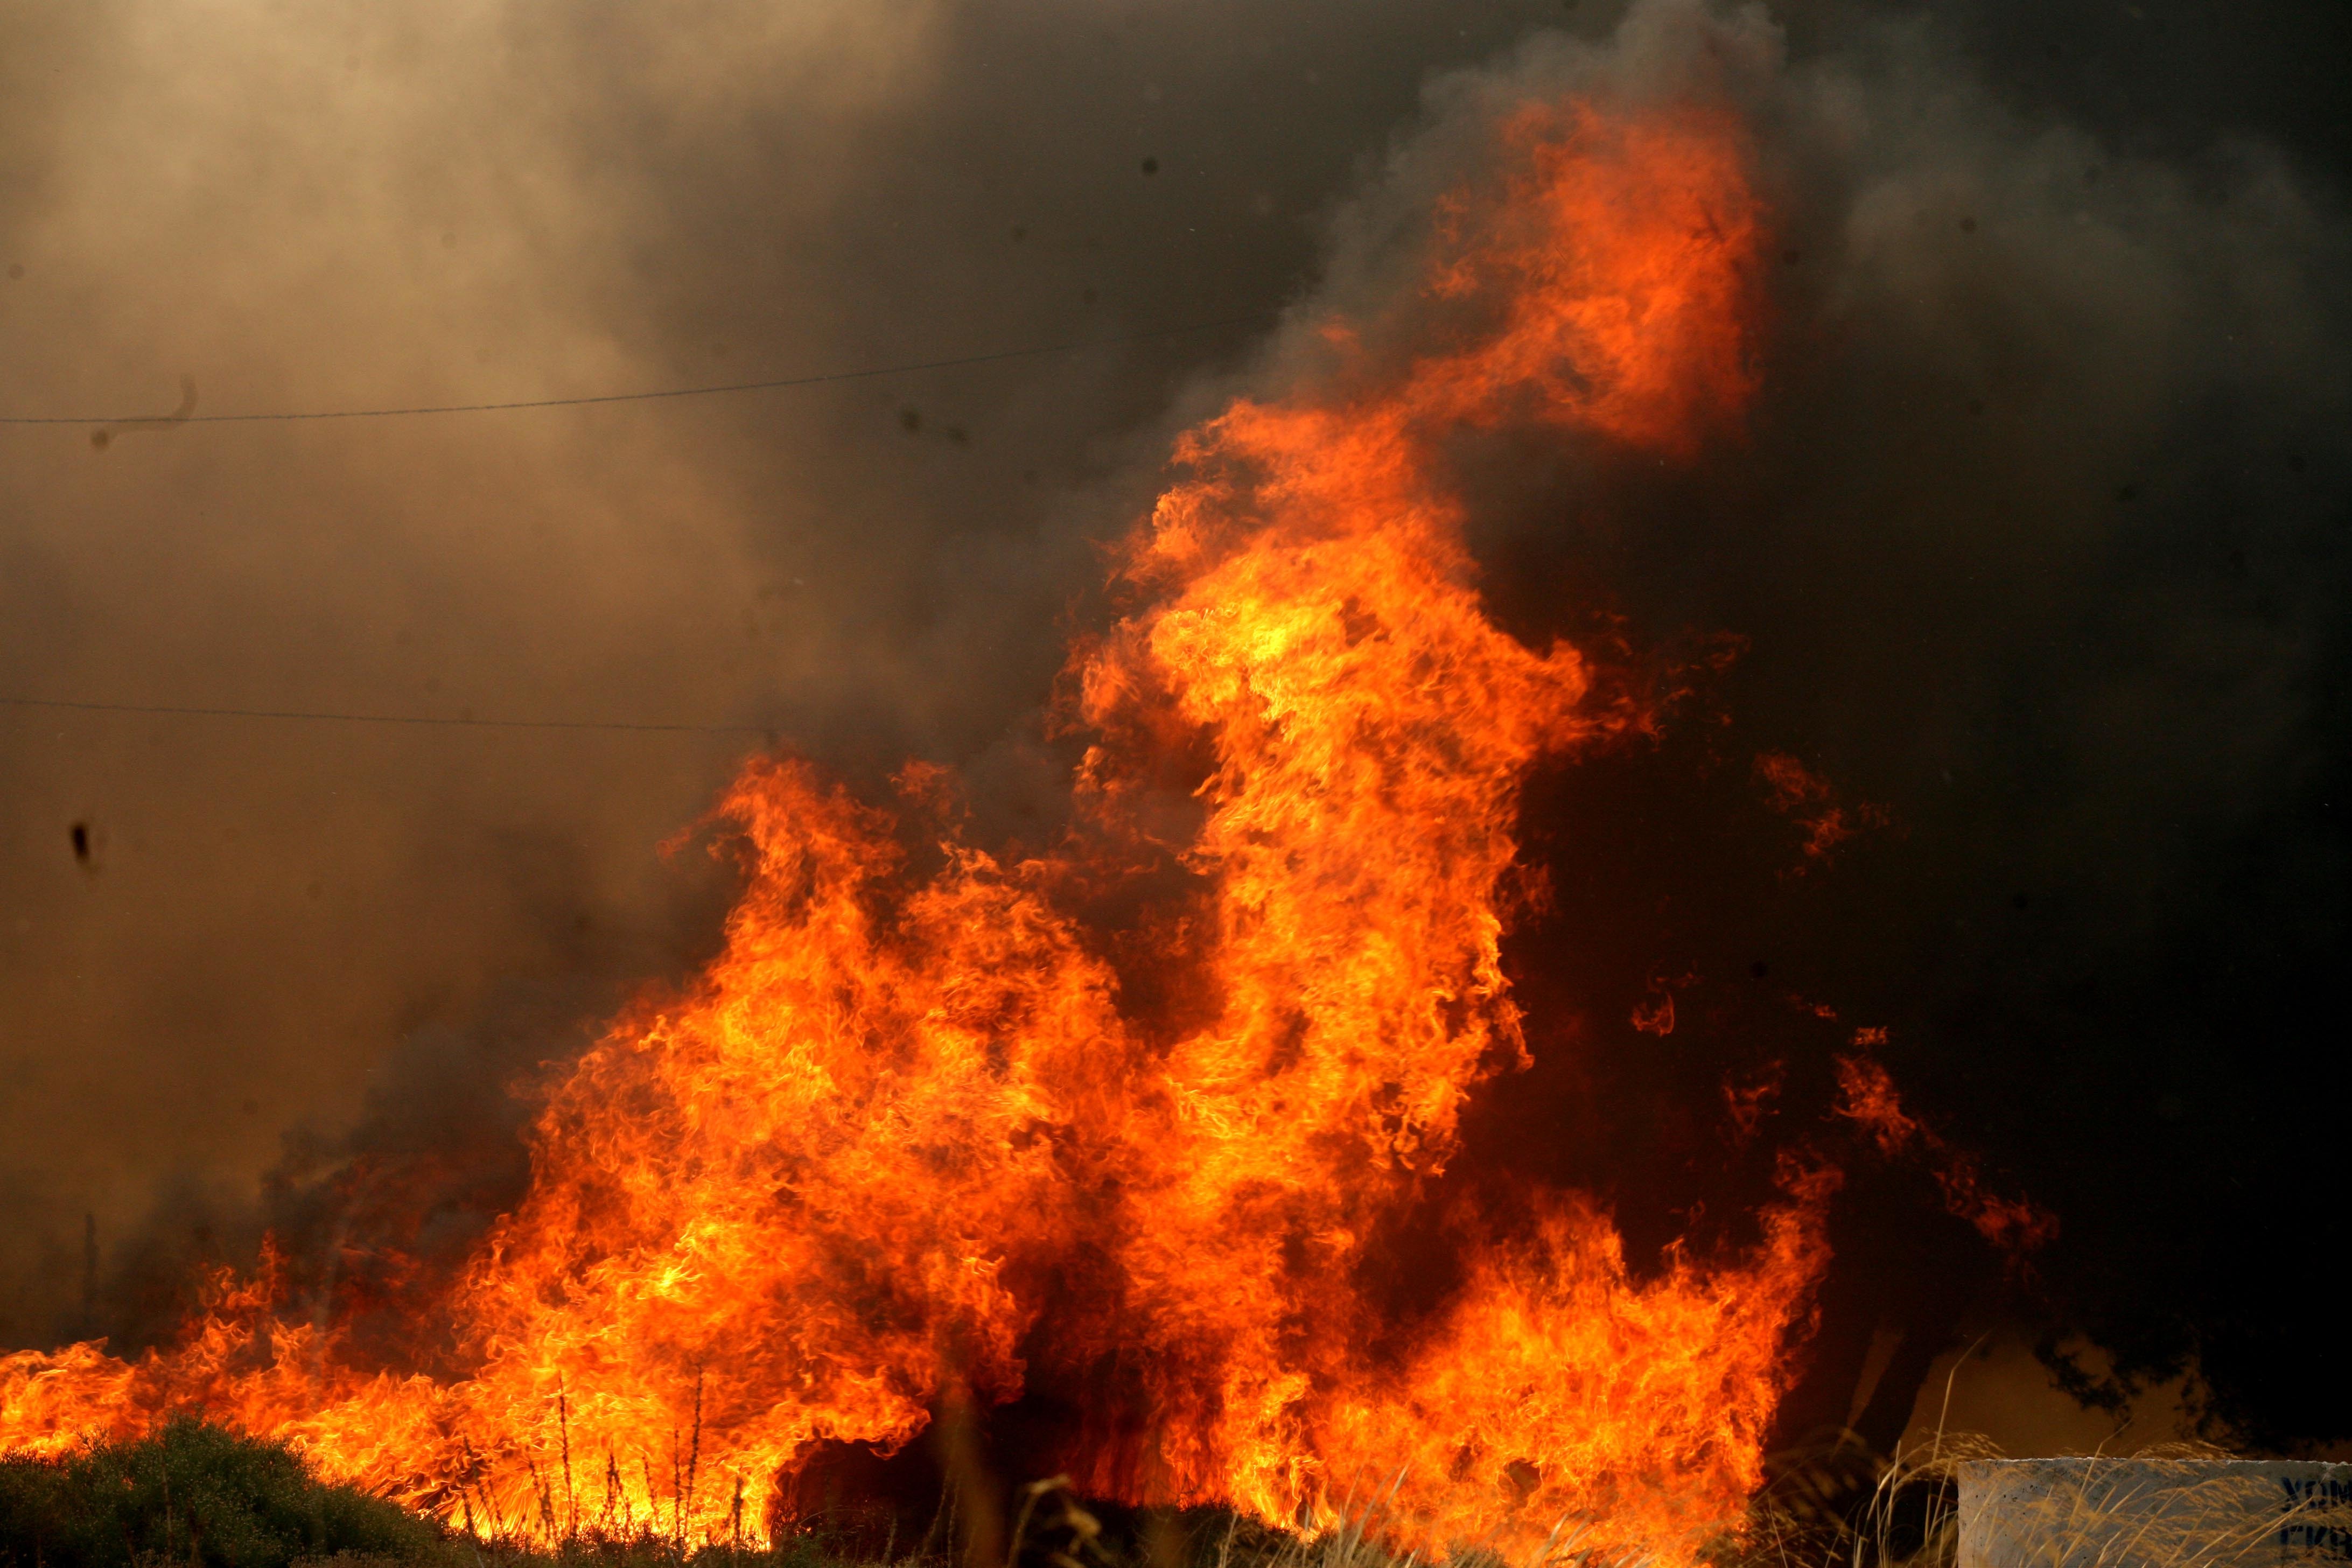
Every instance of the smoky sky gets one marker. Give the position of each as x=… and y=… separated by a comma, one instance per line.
x=2035, y=541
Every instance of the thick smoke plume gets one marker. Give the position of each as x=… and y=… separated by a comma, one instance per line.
x=2029, y=556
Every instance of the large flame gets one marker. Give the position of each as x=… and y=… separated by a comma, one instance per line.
x=929, y=1130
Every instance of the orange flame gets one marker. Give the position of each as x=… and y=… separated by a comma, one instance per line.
x=1795, y=791
x=2014, y=1225
x=918, y=1135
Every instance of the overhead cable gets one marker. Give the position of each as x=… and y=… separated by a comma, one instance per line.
x=188, y=416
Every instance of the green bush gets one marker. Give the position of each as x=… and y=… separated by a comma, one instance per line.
x=193, y=1495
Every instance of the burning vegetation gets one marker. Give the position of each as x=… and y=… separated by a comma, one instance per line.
x=1134, y=1129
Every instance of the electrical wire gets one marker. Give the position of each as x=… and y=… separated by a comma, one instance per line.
x=65, y=704
x=152, y=420
x=461, y=722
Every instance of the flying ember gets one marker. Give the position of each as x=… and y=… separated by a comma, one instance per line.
x=1138, y=1116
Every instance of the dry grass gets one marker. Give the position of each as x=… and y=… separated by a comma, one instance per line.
x=2164, y=1506
x=1836, y=1506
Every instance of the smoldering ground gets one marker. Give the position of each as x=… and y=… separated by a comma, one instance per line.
x=2035, y=541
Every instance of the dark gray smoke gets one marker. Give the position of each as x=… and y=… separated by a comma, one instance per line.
x=2035, y=540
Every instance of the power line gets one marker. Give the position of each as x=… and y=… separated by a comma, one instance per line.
x=467, y=722
x=282, y=417
x=463, y=722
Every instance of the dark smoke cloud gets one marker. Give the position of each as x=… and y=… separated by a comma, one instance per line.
x=2035, y=539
